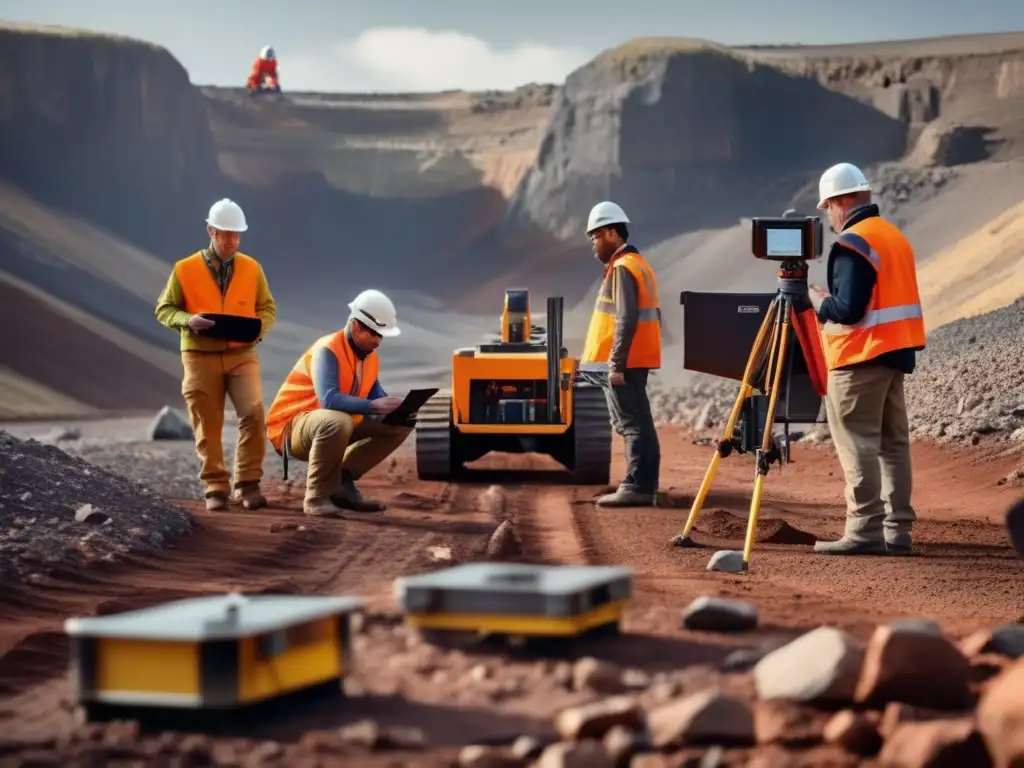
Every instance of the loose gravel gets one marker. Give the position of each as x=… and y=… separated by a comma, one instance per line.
x=58, y=510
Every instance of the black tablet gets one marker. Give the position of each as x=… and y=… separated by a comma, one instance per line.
x=412, y=403
x=232, y=327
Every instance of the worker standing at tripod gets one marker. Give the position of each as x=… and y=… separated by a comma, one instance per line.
x=625, y=332
x=872, y=328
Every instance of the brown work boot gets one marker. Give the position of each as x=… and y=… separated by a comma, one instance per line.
x=248, y=493
x=623, y=497
x=320, y=507
x=351, y=498
x=216, y=502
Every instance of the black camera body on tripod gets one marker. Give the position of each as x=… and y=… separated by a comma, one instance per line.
x=787, y=238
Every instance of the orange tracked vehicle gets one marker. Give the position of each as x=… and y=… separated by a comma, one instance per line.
x=522, y=394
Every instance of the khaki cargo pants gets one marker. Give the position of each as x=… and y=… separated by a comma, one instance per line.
x=331, y=441
x=210, y=378
x=867, y=415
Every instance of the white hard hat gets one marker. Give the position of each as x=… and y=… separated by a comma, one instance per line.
x=841, y=179
x=267, y=52
x=603, y=214
x=375, y=311
x=227, y=216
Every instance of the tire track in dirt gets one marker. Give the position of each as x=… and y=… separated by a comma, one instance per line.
x=538, y=502
x=387, y=547
x=548, y=528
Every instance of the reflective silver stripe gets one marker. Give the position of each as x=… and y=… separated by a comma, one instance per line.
x=876, y=317
x=875, y=259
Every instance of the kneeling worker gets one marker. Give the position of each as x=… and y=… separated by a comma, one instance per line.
x=625, y=332
x=324, y=412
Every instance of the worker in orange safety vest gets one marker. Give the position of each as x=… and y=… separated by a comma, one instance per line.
x=872, y=328
x=327, y=411
x=625, y=332
x=263, y=68
x=220, y=280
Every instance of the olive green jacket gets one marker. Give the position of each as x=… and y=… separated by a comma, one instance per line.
x=170, y=307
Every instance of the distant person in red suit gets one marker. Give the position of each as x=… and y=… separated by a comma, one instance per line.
x=264, y=72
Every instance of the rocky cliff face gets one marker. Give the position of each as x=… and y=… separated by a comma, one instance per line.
x=962, y=98
x=690, y=135
x=337, y=191
x=109, y=129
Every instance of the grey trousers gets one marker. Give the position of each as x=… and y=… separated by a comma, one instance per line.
x=630, y=411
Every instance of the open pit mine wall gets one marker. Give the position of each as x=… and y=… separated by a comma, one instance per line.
x=107, y=129
x=690, y=140
x=697, y=139
x=960, y=109
x=919, y=88
x=111, y=130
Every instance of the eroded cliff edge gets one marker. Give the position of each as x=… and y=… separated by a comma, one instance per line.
x=690, y=135
x=106, y=128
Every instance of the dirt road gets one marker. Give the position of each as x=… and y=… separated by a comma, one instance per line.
x=966, y=577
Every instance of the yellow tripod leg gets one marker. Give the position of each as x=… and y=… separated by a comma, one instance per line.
x=766, y=441
x=683, y=539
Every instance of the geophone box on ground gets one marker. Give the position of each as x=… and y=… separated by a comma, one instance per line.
x=516, y=598
x=209, y=653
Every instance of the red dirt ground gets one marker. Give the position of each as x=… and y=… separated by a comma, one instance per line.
x=966, y=577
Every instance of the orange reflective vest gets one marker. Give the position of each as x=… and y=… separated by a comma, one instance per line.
x=202, y=294
x=893, y=319
x=645, y=351
x=297, y=395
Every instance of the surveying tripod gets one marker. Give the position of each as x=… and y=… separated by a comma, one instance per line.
x=771, y=345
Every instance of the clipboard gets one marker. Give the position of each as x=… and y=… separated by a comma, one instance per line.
x=413, y=401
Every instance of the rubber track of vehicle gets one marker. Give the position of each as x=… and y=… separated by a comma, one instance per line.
x=433, y=439
x=592, y=435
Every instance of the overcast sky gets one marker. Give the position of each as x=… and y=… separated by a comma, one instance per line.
x=395, y=45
